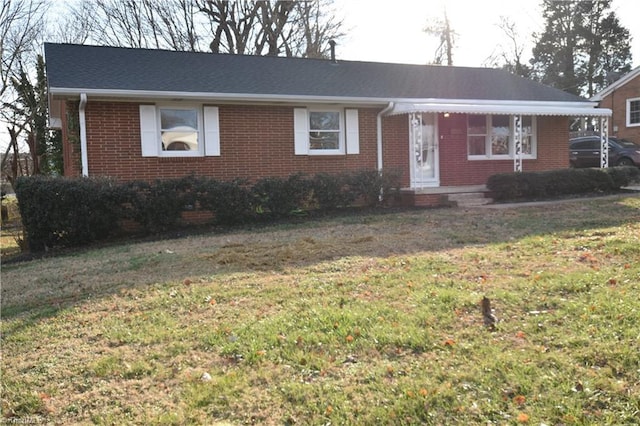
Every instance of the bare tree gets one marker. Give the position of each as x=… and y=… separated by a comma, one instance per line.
x=77, y=26
x=300, y=29
x=273, y=17
x=232, y=24
x=21, y=24
x=441, y=28
x=316, y=23
x=510, y=56
x=167, y=24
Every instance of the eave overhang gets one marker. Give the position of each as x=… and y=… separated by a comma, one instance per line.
x=401, y=105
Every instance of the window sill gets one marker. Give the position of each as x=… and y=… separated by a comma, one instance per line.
x=500, y=158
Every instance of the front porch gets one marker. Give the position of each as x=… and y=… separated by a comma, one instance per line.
x=451, y=196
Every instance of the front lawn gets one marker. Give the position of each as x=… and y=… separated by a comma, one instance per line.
x=368, y=319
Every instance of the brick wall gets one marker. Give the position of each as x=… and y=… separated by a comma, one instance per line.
x=258, y=141
x=456, y=169
x=617, y=102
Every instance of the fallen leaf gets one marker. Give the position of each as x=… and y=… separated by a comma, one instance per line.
x=523, y=418
x=519, y=399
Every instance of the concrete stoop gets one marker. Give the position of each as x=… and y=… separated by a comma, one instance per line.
x=468, y=199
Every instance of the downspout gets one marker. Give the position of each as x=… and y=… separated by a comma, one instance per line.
x=379, y=132
x=83, y=134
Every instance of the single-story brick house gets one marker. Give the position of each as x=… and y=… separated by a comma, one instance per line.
x=622, y=97
x=147, y=114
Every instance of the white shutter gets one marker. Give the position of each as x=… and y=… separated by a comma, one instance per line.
x=353, y=131
x=301, y=131
x=211, y=132
x=149, y=131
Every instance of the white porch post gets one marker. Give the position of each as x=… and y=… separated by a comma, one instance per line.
x=604, y=142
x=517, y=143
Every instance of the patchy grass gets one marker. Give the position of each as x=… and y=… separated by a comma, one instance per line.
x=369, y=319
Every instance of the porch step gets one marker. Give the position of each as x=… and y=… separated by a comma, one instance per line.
x=468, y=199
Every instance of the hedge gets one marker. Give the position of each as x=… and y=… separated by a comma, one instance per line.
x=60, y=211
x=555, y=183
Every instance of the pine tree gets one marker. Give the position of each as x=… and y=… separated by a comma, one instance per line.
x=582, y=42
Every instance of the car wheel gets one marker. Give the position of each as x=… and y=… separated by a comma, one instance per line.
x=625, y=162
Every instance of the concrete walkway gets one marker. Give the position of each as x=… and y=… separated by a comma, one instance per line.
x=635, y=188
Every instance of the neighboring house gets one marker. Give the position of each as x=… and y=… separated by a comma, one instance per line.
x=623, y=98
x=147, y=114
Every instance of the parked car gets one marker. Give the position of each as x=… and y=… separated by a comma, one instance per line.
x=585, y=152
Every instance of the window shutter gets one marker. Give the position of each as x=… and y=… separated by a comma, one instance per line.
x=211, y=132
x=353, y=131
x=149, y=131
x=301, y=131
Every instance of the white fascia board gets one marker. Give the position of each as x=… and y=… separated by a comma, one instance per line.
x=441, y=105
x=545, y=108
x=219, y=97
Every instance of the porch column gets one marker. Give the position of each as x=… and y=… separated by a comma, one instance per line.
x=517, y=143
x=604, y=142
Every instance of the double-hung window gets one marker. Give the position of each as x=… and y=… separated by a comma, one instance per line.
x=179, y=131
x=326, y=131
x=633, y=112
x=493, y=137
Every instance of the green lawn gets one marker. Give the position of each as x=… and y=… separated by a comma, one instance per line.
x=370, y=319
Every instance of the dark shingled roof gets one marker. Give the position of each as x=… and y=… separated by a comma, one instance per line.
x=109, y=68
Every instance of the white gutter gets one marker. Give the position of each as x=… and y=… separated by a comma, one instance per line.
x=83, y=134
x=270, y=97
x=379, y=132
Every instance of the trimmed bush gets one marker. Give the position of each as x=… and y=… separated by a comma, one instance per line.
x=279, y=197
x=68, y=212
x=373, y=187
x=331, y=192
x=554, y=183
x=230, y=202
x=156, y=206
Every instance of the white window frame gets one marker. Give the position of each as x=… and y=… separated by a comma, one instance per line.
x=200, y=151
x=489, y=126
x=628, y=112
x=341, y=136
x=348, y=134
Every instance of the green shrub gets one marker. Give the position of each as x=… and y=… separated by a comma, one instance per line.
x=374, y=187
x=554, y=183
x=330, y=191
x=624, y=175
x=67, y=212
x=157, y=206
x=230, y=202
x=70, y=212
x=279, y=197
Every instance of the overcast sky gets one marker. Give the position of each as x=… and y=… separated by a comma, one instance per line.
x=392, y=31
